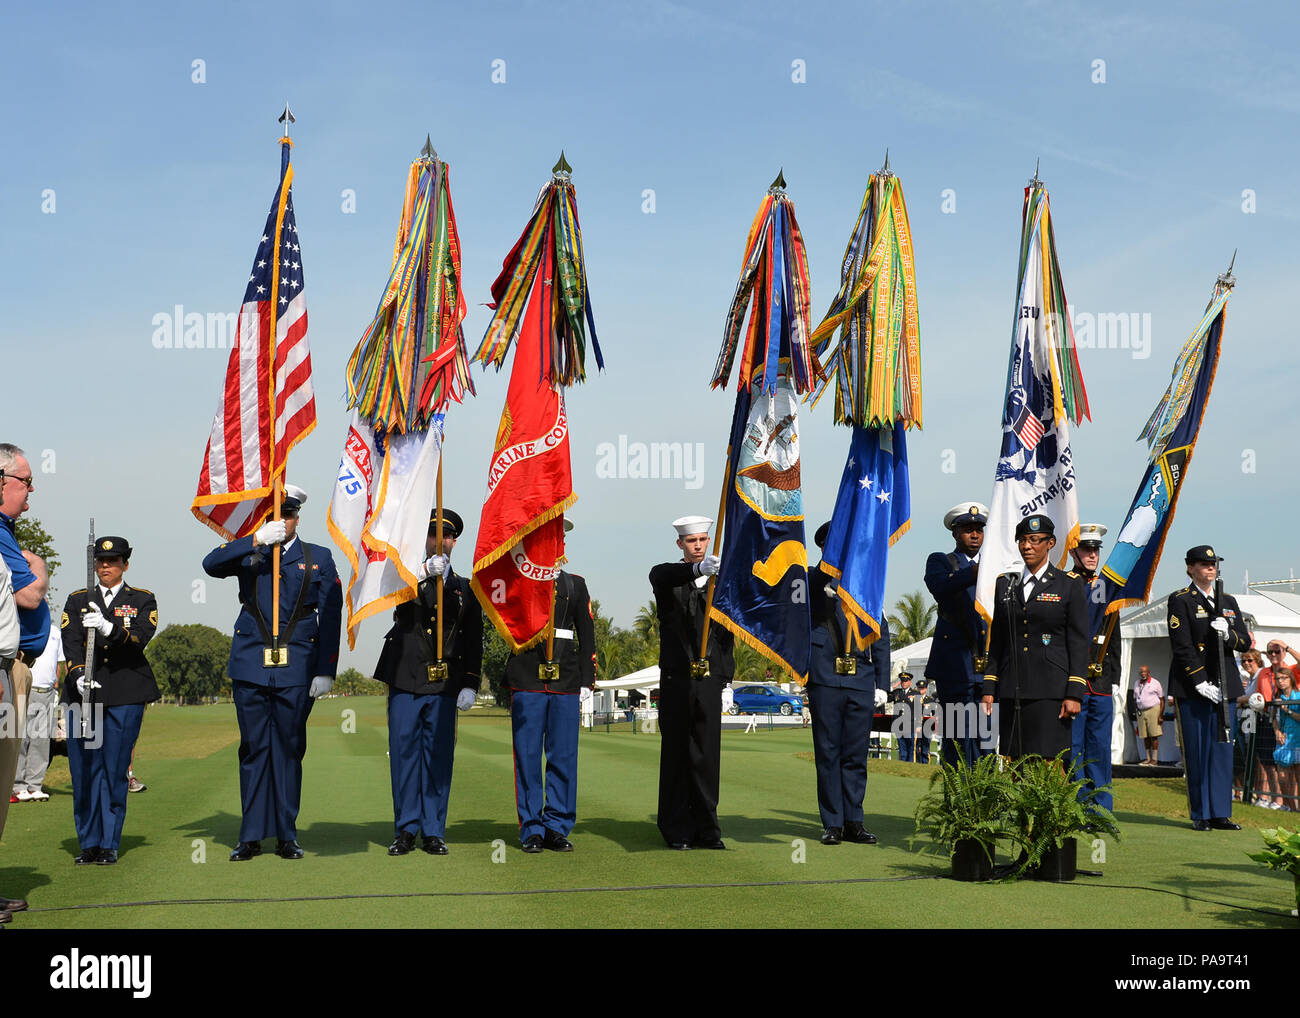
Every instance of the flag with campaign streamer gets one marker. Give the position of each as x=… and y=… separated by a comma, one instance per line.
x=408, y=367
x=760, y=592
x=541, y=298
x=875, y=364
x=873, y=509
x=1035, y=472
x=1171, y=434
x=266, y=405
x=875, y=369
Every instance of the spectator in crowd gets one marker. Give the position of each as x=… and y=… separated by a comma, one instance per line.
x=1150, y=701
x=1286, y=754
x=1252, y=663
x=42, y=702
x=1270, y=796
x=10, y=634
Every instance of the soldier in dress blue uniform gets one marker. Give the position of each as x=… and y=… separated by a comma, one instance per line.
x=544, y=718
x=1090, y=733
x=125, y=619
x=272, y=701
x=960, y=634
x=1196, y=626
x=1038, y=648
x=423, y=698
x=844, y=690
x=690, y=702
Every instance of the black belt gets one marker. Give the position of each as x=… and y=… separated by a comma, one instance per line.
x=6, y=663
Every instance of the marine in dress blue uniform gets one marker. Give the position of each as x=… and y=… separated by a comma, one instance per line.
x=1196, y=625
x=1090, y=732
x=960, y=634
x=125, y=619
x=1038, y=648
x=422, y=701
x=272, y=702
x=843, y=693
x=544, y=708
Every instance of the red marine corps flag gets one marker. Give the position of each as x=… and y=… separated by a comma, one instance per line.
x=530, y=483
x=266, y=405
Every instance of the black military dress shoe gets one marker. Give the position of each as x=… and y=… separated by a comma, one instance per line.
x=87, y=857
x=1223, y=824
x=245, y=850
x=434, y=845
x=716, y=844
x=858, y=834
x=556, y=842
x=12, y=905
x=533, y=844
x=107, y=857
x=1200, y=825
x=402, y=844
x=288, y=849
x=832, y=836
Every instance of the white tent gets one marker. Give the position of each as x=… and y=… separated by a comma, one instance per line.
x=911, y=658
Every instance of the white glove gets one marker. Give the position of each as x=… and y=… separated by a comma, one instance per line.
x=81, y=685
x=881, y=697
x=709, y=565
x=320, y=685
x=436, y=565
x=1210, y=692
x=93, y=619
x=1220, y=626
x=465, y=699
x=270, y=533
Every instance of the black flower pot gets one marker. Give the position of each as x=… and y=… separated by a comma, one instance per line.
x=1059, y=865
x=971, y=861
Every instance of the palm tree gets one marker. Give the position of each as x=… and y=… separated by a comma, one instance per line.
x=646, y=623
x=913, y=619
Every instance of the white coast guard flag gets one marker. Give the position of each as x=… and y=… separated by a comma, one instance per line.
x=379, y=515
x=1035, y=471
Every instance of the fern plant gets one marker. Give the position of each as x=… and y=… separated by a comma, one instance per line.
x=1282, y=852
x=968, y=804
x=1051, y=805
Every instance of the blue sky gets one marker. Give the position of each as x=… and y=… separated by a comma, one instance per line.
x=161, y=185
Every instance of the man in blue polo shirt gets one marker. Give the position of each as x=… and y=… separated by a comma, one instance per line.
x=30, y=581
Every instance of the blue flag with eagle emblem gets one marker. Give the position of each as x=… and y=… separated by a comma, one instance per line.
x=761, y=593
x=872, y=510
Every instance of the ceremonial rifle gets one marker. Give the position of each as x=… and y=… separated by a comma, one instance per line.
x=87, y=701
x=1224, y=733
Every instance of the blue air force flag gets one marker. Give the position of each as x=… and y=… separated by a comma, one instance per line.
x=872, y=510
x=761, y=593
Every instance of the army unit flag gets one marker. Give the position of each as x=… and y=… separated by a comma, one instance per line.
x=266, y=405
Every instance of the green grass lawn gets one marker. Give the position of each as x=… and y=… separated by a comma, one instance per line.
x=174, y=870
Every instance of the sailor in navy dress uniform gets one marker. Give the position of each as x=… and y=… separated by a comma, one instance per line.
x=272, y=702
x=422, y=703
x=1090, y=733
x=125, y=619
x=544, y=719
x=690, y=703
x=960, y=634
x=844, y=691
x=1196, y=625
x=1038, y=648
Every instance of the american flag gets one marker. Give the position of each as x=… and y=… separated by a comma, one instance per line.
x=241, y=464
x=1028, y=428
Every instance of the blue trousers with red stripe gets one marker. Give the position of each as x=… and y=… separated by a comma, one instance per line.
x=545, y=723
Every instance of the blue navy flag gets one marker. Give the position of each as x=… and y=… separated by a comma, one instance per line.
x=872, y=510
x=761, y=593
x=1172, y=432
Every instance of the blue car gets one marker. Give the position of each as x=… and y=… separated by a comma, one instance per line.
x=765, y=700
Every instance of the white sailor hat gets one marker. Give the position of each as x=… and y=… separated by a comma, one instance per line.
x=688, y=525
x=1090, y=535
x=294, y=497
x=966, y=512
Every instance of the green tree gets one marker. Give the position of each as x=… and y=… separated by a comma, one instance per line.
x=32, y=537
x=913, y=619
x=495, y=656
x=189, y=662
x=349, y=682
